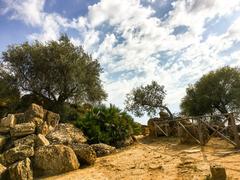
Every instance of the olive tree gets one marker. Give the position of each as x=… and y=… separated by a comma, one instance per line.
x=217, y=91
x=56, y=71
x=147, y=99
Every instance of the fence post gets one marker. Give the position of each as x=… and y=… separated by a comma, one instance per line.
x=200, y=133
x=234, y=130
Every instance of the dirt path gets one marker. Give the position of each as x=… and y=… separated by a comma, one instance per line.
x=161, y=158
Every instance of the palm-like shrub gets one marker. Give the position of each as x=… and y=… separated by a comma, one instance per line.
x=107, y=125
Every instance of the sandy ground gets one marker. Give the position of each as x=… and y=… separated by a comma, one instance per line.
x=161, y=158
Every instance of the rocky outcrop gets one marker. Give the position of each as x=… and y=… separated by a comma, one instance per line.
x=54, y=159
x=18, y=153
x=85, y=153
x=103, y=149
x=3, y=141
x=21, y=170
x=66, y=134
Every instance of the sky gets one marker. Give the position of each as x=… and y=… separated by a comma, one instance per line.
x=173, y=42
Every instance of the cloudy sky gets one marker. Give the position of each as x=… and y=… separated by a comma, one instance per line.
x=136, y=41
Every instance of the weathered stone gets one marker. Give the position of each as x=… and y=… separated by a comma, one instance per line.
x=8, y=121
x=18, y=153
x=52, y=119
x=3, y=140
x=4, y=130
x=28, y=140
x=54, y=159
x=67, y=134
x=126, y=142
x=20, y=118
x=41, y=141
x=218, y=172
x=85, y=153
x=21, y=170
x=43, y=129
x=103, y=149
x=22, y=129
x=34, y=111
x=3, y=171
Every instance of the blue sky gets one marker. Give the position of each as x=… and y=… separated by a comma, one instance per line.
x=136, y=41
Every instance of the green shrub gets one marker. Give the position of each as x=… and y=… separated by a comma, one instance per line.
x=107, y=125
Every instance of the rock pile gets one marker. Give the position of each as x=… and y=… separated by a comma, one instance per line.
x=35, y=144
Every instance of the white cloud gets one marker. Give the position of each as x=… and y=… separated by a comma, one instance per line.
x=128, y=37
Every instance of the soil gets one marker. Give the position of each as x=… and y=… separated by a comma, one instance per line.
x=161, y=158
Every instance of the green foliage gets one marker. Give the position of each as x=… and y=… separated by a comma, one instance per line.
x=56, y=72
x=107, y=125
x=9, y=93
x=147, y=98
x=217, y=91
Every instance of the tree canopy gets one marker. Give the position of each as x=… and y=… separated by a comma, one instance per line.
x=147, y=99
x=9, y=93
x=56, y=71
x=217, y=91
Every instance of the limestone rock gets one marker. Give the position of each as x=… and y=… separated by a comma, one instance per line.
x=8, y=121
x=41, y=141
x=3, y=171
x=18, y=153
x=218, y=172
x=4, y=130
x=85, y=153
x=103, y=149
x=34, y=111
x=126, y=142
x=22, y=129
x=66, y=133
x=21, y=170
x=28, y=140
x=54, y=159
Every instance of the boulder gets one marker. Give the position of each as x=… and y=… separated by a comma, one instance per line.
x=52, y=119
x=85, y=153
x=126, y=142
x=8, y=121
x=41, y=140
x=53, y=160
x=34, y=111
x=20, y=118
x=17, y=153
x=103, y=149
x=3, y=171
x=66, y=133
x=218, y=172
x=28, y=140
x=21, y=170
x=22, y=129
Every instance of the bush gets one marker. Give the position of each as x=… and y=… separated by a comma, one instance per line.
x=107, y=125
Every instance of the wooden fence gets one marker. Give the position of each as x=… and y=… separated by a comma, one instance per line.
x=223, y=125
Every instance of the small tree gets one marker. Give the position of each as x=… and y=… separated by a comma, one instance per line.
x=217, y=91
x=57, y=71
x=148, y=99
